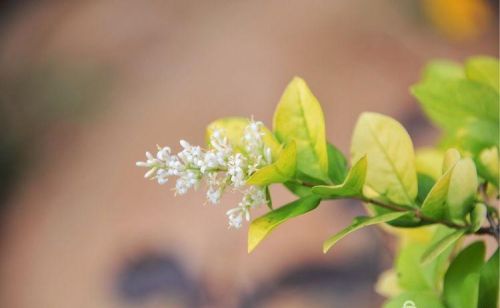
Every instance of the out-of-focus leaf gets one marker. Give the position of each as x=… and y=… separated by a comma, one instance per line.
x=451, y=157
x=468, y=111
x=440, y=246
x=484, y=70
x=443, y=69
x=387, y=284
x=424, y=299
x=351, y=187
x=299, y=117
x=412, y=275
x=488, y=166
x=488, y=283
x=461, y=282
x=262, y=226
x=450, y=102
x=358, y=223
x=429, y=161
x=391, y=162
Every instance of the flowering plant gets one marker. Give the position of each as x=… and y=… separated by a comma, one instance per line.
x=430, y=199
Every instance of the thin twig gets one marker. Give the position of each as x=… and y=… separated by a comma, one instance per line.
x=492, y=230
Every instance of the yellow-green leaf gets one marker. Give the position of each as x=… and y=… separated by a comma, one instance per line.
x=434, y=204
x=478, y=216
x=440, y=246
x=352, y=185
x=280, y=171
x=462, y=189
x=391, y=160
x=451, y=157
x=453, y=103
x=358, y=223
x=299, y=117
x=443, y=69
x=412, y=275
x=488, y=166
x=429, y=161
x=466, y=110
x=452, y=195
x=387, y=284
x=415, y=298
x=483, y=69
x=234, y=127
x=261, y=227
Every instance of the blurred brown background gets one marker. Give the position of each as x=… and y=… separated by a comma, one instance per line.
x=87, y=86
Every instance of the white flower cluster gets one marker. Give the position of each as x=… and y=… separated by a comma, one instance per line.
x=220, y=166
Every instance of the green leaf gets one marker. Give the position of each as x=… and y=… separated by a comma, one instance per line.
x=484, y=70
x=462, y=189
x=453, y=194
x=262, y=226
x=488, y=283
x=280, y=171
x=358, y=223
x=478, y=216
x=468, y=111
x=443, y=69
x=299, y=117
x=298, y=189
x=351, y=187
x=451, y=157
x=411, y=273
x=387, y=284
x=475, y=136
x=424, y=299
x=439, y=247
x=337, y=164
x=488, y=166
x=450, y=102
x=461, y=282
x=434, y=204
x=269, y=200
x=391, y=162
x=425, y=184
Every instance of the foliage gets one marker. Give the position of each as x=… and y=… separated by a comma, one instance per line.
x=430, y=198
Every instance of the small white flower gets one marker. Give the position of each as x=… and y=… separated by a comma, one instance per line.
x=235, y=221
x=214, y=195
x=163, y=153
x=220, y=166
x=150, y=172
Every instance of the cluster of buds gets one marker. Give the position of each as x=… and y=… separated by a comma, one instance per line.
x=220, y=167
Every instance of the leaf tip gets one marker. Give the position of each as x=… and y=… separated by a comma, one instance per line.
x=326, y=247
x=251, y=244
